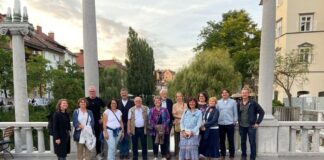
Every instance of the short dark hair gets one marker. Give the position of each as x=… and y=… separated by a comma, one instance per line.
x=225, y=89
x=109, y=103
x=192, y=99
x=204, y=94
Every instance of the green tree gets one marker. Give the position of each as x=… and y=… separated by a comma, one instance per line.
x=290, y=69
x=67, y=81
x=111, y=81
x=139, y=65
x=210, y=71
x=37, y=73
x=6, y=73
x=239, y=35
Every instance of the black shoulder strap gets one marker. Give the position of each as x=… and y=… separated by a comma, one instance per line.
x=115, y=116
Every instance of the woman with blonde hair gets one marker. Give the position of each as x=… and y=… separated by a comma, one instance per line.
x=210, y=139
x=82, y=119
x=61, y=130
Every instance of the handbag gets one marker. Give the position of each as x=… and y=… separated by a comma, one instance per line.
x=77, y=132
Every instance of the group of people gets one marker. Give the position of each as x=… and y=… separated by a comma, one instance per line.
x=200, y=126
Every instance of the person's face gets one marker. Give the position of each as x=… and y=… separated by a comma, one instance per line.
x=64, y=105
x=212, y=103
x=83, y=104
x=138, y=102
x=124, y=94
x=245, y=94
x=113, y=104
x=92, y=92
x=225, y=94
x=163, y=95
x=179, y=97
x=157, y=102
x=202, y=98
x=192, y=104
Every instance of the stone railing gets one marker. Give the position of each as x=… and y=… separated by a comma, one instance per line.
x=300, y=137
x=294, y=138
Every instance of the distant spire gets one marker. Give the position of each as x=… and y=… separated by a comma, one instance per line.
x=25, y=15
x=8, y=16
x=17, y=12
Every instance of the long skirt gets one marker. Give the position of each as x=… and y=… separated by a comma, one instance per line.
x=189, y=148
x=211, y=144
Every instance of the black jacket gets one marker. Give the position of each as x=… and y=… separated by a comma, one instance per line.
x=253, y=111
x=212, y=120
x=61, y=129
x=124, y=109
x=169, y=104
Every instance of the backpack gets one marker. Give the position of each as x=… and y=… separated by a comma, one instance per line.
x=50, y=123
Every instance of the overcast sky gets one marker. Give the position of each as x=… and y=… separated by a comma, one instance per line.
x=170, y=26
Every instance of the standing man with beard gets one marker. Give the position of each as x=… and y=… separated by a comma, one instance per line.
x=168, y=104
x=124, y=104
x=95, y=104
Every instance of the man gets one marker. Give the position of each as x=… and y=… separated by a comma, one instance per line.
x=227, y=119
x=95, y=104
x=137, y=127
x=249, y=121
x=124, y=104
x=167, y=103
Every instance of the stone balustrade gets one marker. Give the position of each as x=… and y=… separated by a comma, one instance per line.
x=294, y=138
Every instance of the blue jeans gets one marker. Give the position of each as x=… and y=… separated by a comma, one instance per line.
x=112, y=145
x=139, y=134
x=251, y=132
x=124, y=145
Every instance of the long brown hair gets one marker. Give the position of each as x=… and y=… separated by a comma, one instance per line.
x=58, y=105
x=82, y=99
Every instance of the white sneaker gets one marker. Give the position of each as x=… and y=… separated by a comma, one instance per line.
x=155, y=158
x=163, y=159
x=99, y=157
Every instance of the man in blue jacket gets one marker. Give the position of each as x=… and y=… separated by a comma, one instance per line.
x=250, y=116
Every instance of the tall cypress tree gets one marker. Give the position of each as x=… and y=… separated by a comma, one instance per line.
x=139, y=65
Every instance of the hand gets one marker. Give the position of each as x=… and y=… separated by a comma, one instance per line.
x=81, y=126
x=183, y=134
x=256, y=125
x=203, y=128
x=129, y=132
x=58, y=141
x=106, y=135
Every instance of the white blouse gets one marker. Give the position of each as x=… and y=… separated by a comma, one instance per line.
x=112, y=121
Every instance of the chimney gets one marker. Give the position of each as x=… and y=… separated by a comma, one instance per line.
x=38, y=29
x=51, y=35
x=81, y=51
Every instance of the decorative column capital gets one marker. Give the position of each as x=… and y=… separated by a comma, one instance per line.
x=22, y=29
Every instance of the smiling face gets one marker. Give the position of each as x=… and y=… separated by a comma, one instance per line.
x=113, y=104
x=138, y=101
x=192, y=104
x=225, y=94
x=124, y=94
x=92, y=92
x=179, y=97
x=202, y=98
x=83, y=104
x=64, y=105
x=157, y=102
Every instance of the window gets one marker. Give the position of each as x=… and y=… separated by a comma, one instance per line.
x=279, y=28
x=305, y=53
x=305, y=22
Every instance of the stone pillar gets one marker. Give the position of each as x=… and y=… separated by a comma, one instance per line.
x=29, y=139
x=91, y=72
x=267, y=134
x=40, y=139
x=18, y=142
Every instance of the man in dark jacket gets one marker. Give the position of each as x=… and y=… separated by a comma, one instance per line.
x=167, y=103
x=95, y=104
x=249, y=121
x=124, y=104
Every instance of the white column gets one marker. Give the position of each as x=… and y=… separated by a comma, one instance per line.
x=316, y=139
x=51, y=144
x=18, y=142
x=29, y=139
x=293, y=138
x=40, y=140
x=267, y=56
x=91, y=72
x=19, y=78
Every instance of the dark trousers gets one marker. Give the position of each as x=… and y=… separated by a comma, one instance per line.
x=97, y=134
x=251, y=132
x=124, y=144
x=163, y=147
x=176, y=142
x=167, y=143
x=139, y=134
x=229, y=131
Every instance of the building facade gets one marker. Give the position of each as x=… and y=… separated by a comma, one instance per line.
x=300, y=29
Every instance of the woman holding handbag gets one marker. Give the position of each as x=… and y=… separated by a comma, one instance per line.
x=177, y=111
x=113, y=128
x=159, y=119
x=82, y=119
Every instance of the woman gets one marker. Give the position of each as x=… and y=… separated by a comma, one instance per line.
x=210, y=126
x=82, y=118
x=177, y=111
x=202, y=105
x=112, y=128
x=190, y=124
x=159, y=119
x=61, y=130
